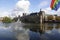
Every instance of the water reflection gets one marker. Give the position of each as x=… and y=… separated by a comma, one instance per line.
x=23, y=31
x=47, y=31
x=41, y=27
x=13, y=31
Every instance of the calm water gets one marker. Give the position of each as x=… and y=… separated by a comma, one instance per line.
x=21, y=31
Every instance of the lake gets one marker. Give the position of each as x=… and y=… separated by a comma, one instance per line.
x=27, y=31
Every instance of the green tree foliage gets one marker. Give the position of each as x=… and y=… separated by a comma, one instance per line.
x=7, y=20
x=50, y=17
x=58, y=18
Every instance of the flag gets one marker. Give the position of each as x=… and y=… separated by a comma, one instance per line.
x=55, y=4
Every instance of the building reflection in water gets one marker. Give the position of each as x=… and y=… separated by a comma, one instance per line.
x=47, y=31
x=42, y=27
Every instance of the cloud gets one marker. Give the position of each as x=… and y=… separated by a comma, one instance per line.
x=58, y=12
x=49, y=11
x=22, y=6
x=5, y=13
x=43, y=4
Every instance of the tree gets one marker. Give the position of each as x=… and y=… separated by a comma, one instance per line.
x=58, y=18
x=7, y=20
x=50, y=17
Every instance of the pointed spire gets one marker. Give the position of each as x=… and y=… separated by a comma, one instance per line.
x=40, y=9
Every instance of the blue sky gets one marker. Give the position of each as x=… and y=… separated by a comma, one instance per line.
x=35, y=5
x=7, y=4
x=10, y=4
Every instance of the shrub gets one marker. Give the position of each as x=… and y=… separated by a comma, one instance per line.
x=7, y=20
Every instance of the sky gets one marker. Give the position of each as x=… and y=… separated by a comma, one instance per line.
x=17, y=7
